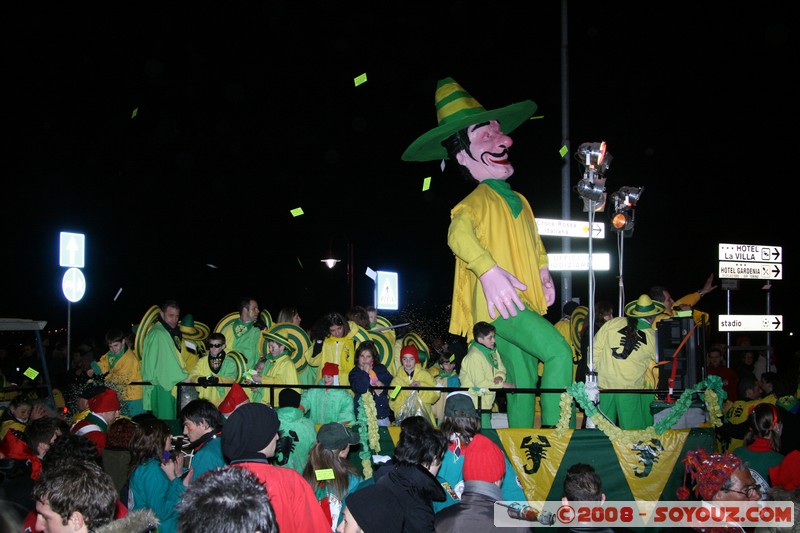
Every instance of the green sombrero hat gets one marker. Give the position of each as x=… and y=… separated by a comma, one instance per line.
x=644, y=307
x=145, y=325
x=293, y=337
x=384, y=347
x=230, y=317
x=455, y=110
x=193, y=331
x=413, y=339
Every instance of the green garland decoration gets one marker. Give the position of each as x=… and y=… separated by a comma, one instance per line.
x=714, y=397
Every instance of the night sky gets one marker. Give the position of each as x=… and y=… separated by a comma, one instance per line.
x=244, y=112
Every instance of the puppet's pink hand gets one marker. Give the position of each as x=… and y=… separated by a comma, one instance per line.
x=548, y=286
x=499, y=287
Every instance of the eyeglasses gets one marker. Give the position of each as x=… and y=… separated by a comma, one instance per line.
x=748, y=492
x=215, y=345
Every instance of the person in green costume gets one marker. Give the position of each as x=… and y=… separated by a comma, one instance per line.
x=162, y=363
x=244, y=333
x=501, y=263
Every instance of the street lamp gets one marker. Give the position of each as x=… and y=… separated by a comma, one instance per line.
x=331, y=261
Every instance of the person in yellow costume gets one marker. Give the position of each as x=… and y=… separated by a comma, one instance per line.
x=216, y=367
x=121, y=367
x=625, y=358
x=338, y=347
x=279, y=370
x=501, y=262
x=686, y=303
x=411, y=374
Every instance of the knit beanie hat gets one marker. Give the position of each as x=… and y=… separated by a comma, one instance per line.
x=412, y=350
x=289, y=398
x=330, y=369
x=235, y=397
x=376, y=509
x=787, y=474
x=248, y=430
x=483, y=460
x=104, y=402
x=709, y=471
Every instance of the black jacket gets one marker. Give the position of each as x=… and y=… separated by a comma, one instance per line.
x=416, y=489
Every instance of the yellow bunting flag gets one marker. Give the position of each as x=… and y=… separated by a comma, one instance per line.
x=536, y=455
x=647, y=465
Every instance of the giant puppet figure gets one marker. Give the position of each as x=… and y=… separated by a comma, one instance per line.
x=501, y=263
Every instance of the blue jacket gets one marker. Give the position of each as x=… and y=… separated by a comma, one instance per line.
x=359, y=382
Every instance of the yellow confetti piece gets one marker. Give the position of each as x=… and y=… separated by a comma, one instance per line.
x=135, y=112
x=395, y=392
x=299, y=263
x=426, y=183
x=31, y=373
x=536, y=118
x=563, y=151
x=452, y=358
x=297, y=211
x=323, y=474
x=360, y=79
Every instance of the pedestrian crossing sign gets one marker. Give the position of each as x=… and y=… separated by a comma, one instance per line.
x=387, y=291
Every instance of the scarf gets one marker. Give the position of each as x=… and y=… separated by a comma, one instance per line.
x=490, y=355
x=502, y=188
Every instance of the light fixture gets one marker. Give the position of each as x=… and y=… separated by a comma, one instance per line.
x=624, y=217
x=595, y=160
x=331, y=262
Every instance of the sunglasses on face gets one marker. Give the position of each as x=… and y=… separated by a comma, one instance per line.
x=215, y=345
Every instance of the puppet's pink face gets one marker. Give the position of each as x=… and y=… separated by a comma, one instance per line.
x=487, y=157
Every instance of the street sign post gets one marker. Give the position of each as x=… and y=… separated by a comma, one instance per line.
x=750, y=322
x=71, y=249
x=730, y=269
x=601, y=261
x=569, y=228
x=750, y=253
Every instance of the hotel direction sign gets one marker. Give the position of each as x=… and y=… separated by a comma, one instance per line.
x=750, y=261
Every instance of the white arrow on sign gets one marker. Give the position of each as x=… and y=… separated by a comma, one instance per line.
x=569, y=228
x=71, y=249
x=750, y=323
x=750, y=252
x=729, y=269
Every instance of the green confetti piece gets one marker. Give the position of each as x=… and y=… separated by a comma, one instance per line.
x=563, y=151
x=31, y=373
x=452, y=358
x=360, y=79
x=323, y=474
x=135, y=112
x=395, y=392
x=426, y=184
x=297, y=211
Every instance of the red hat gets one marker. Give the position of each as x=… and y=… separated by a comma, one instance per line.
x=412, y=350
x=104, y=402
x=709, y=471
x=235, y=397
x=483, y=460
x=787, y=474
x=330, y=369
